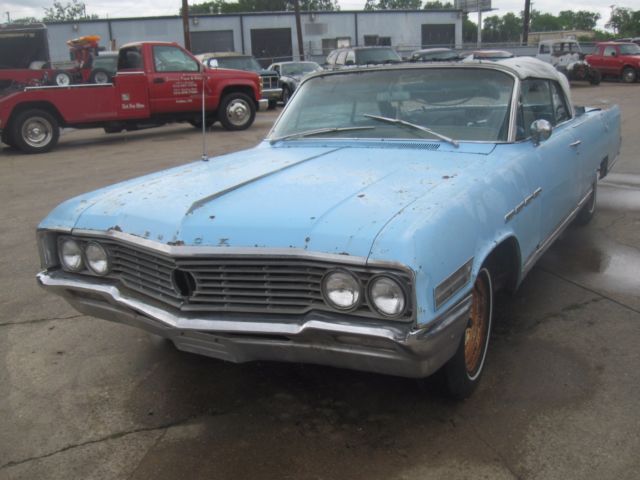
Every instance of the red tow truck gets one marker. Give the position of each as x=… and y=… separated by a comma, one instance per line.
x=156, y=83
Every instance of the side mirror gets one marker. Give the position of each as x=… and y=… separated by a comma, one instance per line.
x=540, y=131
x=213, y=63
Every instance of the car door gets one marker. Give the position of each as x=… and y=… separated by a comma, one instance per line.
x=611, y=61
x=557, y=173
x=175, y=83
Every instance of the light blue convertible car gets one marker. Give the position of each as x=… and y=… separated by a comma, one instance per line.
x=370, y=230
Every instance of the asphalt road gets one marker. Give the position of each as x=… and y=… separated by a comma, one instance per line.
x=82, y=398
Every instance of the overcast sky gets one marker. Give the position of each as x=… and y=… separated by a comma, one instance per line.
x=140, y=8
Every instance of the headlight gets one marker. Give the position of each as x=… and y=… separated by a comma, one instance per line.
x=97, y=258
x=341, y=290
x=70, y=255
x=387, y=296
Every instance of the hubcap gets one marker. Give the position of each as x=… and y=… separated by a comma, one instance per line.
x=62, y=80
x=475, y=335
x=629, y=75
x=37, y=132
x=238, y=112
x=101, y=77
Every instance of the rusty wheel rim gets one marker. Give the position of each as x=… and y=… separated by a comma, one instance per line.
x=475, y=336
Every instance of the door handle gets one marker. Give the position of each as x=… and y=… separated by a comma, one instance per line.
x=159, y=80
x=576, y=143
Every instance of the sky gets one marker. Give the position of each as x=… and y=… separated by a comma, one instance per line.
x=141, y=8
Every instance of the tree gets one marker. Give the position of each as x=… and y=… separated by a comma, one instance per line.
x=25, y=20
x=580, y=20
x=393, y=4
x=73, y=10
x=221, y=6
x=437, y=5
x=544, y=22
x=507, y=28
x=625, y=22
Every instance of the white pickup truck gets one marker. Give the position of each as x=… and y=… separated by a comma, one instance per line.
x=567, y=57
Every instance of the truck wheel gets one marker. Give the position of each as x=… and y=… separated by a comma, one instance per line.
x=99, y=75
x=62, y=79
x=237, y=111
x=286, y=94
x=595, y=77
x=462, y=373
x=272, y=104
x=35, y=131
x=629, y=75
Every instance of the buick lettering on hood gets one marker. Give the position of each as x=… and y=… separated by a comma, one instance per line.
x=370, y=230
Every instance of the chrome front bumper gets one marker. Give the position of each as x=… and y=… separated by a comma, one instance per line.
x=263, y=104
x=394, y=349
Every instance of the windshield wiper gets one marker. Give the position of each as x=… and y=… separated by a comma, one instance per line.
x=414, y=126
x=318, y=131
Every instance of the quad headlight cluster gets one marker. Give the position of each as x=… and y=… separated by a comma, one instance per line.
x=342, y=290
x=78, y=256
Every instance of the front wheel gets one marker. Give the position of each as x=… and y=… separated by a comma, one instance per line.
x=237, y=111
x=595, y=77
x=99, y=75
x=462, y=373
x=35, y=131
x=286, y=94
x=629, y=75
x=62, y=79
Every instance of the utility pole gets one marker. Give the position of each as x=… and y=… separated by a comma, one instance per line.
x=296, y=8
x=8, y=17
x=185, y=24
x=526, y=21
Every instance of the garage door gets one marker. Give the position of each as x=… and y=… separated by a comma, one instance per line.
x=212, y=41
x=270, y=45
x=442, y=35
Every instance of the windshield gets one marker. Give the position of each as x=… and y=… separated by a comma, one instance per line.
x=460, y=103
x=239, y=63
x=377, y=55
x=631, y=49
x=301, y=68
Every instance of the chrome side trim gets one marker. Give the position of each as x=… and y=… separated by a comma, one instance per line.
x=512, y=213
x=57, y=87
x=542, y=248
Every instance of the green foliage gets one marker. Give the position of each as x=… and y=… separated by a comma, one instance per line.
x=73, y=10
x=222, y=6
x=469, y=30
x=25, y=20
x=544, y=22
x=437, y=5
x=580, y=20
x=507, y=28
x=393, y=4
x=625, y=22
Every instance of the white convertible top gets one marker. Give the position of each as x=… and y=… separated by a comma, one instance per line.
x=529, y=67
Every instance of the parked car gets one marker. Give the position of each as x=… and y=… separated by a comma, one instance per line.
x=435, y=55
x=291, y=73
x=271, y=89
x=567, y=57
x=351, y=56
x=489, y=55
x=620, y=60
x=370, y=230
x=104, y=67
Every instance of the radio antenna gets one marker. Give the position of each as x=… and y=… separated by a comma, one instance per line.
x=205, y=158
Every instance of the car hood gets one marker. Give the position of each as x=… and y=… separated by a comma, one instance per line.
x=327, y=198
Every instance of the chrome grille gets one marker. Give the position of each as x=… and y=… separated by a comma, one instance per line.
x=236, y=283
x=270, y=81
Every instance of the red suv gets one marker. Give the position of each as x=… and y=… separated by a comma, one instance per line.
x=619, y=59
